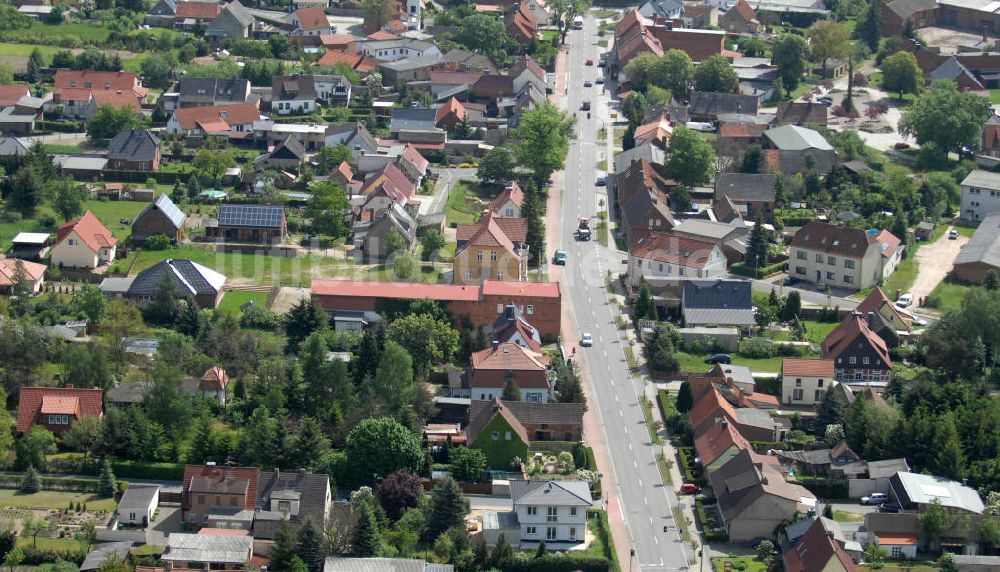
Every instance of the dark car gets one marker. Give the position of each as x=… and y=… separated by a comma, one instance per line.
x=791, y=280
x=719, y=358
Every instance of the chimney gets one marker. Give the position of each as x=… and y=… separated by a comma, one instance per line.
x=871, y=321
x=69, y=386
x=496, y=345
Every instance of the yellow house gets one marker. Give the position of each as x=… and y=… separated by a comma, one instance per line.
x=84, y=243
x=491, y=249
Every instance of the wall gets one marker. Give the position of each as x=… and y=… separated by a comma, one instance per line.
x=500, y=452
x=77, y=256
x=857, y=488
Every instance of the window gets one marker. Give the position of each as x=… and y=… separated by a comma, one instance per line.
x=661, y=268
x=849, y=264
x=550, y=533
x=798, y=382
x=506, y=436
x=896, y=552
x=572, y=532
x=680, y=270
x=857, y=376
x=131, y=516
x=831, y=276
x=831, y=260
x=499, y=308
x=820, y=383
x=493, y=256
x=58, y=419
x=499, y=274
x=848, y=279
x=819, y=257
x=531, y=309
x=818, y=396
x=800, y=270
x=72, y=242
x=468, y=276
x=551, y=514
x=532, y=510
x=496, y=435
x=572, y=511
x=853, y=360
x=797, y=394
x=479, y=256
x=865, y=360
x=801, y=255
x=530, y=531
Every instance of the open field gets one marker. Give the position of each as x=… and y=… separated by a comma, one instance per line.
x=233, y=299
x=696, y=362
x=54, y=500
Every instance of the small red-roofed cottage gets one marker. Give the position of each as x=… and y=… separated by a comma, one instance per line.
x=56, y=408
x=83, y=243
x=509, y=202
x=213, y=384
x=450, y=114
x=805, y=381
x=493, y=368
x=32, y=277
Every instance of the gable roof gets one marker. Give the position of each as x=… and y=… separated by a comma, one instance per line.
x=801, y=113
x=744, y=10
x=521, y=23
x=34, y=401
x=490, y=367
x=312, y=19
x=116, y=99
x=99, y=80
x=550, y=493
x=213, y=90
x=905, y=9
x=10, y=94
x=163, y=204
x=832, y=239
x=8, y=270
x=357, y=62
x=90, y=230
x=190, y=279
x=878, y=299
x=449, y=107
x=742, y=187
x=658, y=130
x=290, y=148
x=134, y=145
x=482, y=412
x=229, y=480
x=815, y=549
x=807, y=367
x=312, y=490
x=256, y=216
x=925, y=489
x=796, y=138
x=717, y=302
x=741, y=130
x=984, y=246
x=338, y=564
x=214, y=379
x=712, y=103
x=716, y=439
x=394, y=183
x=854, y=329
x=746, y=478
x=527, y=64
x=293, y=86
x=513, y=229
x=512, y=193
x=887, y=243
x=235, y=114
x=536, y=413
x=409, y=119
x=672, y=248
x=197, y=10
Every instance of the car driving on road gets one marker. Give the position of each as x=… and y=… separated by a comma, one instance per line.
x=559, y=257
x=586, y=340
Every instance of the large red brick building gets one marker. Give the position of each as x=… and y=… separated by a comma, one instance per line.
x=541, y=302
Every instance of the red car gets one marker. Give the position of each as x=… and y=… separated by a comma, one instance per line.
x=590, y=62
x=690, y=489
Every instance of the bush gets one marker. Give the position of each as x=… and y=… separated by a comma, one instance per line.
x=148, y=470
x=158, y=242
x=757, y=348
x=826, y=488
x=744, y=269
x=559, y=563
x=35, y=556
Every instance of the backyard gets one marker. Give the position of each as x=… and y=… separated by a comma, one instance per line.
x=56, y=500
x=737, y=563
x=466, y=202
x=233, y=299
x=108, y=212
x=696, y=362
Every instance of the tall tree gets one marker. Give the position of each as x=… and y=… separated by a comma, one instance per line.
x=109, y=121
x=379, y=446
x=366, y=541
x=716, y=74
x=692, y=159
x=428, y=340
x=303, y=319
x=675, y=72
x=92, y=302
x=684, y=398
x=67, y=198
x=868, y=28
x=377, y=12
x=753, y=160
x=106, y=481
x=789, y=53
x=36, y=61
x=448, y=507
x=496, y=166
x=532, y=210
x=543, y=141
x=949, y=459
x=829, y=40
x=483, y=33
x=167, y=402
x=310, y=444
x=394, y=378
x=33, y=446
x=758, y=247
x=327, y=207
x=283, y=549
x=947, y=118
x=310, y=545
x=399, y=492
x=901, y=74
x=792, y=306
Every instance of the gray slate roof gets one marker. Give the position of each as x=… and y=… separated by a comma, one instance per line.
x=190, y=278
x=134, y=145
x=100, y=552
x=724, y=302
x=646, y=151
x=887, y=468
x=333, y=564
x=530, y=412
x=409, y=119
x=293, y=87
x=137, y=497
x=210, y=549
x=796, y=138
x=905, y=9
x=745, y=186
x=414, y=63
x=982, y=179
x=924, y=489
x=163, y=204
x=984, y=246
x=211, y=90
x=550, y=493
x=263, y=216
x=310, y=488
x=711, y=103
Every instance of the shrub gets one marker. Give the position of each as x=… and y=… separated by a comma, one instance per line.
x=756, y=348
x=158, y=242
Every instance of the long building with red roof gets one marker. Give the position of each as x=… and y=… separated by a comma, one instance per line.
x=56, y=408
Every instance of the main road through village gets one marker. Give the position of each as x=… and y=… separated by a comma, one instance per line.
x=637, y=491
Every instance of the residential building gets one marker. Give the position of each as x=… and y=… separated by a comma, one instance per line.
x=56, y=408
x=332, y=89
x=827, y=254
x=801, y=113
x=494, y=368
x=215, y=550
x=553, y=511
x=982, y=253
x=643, y=194
x=213, y=119
x=334, y=564
x=234, y=22
x=138, y=504
x=191, y=280
x=817, y=550
x=509, y=202
x=541, y=10
x=540, y=301
x=537, y=421
x=521, y=24
x=398, y=48
x=859, y=354
x=134, y=150
x=102, y=551
x=666, y=258
x=513, y=326
x=755, y=193
x=953, y=70
x=717, y=303
x=721, y=399
x=698, y=44
x=980, y=195
x=14, y=146
x=161, y=217
x=895, y=14
x=712, y=106
x=219, y=497
x=249, y=223
x=717, y=443
x=383, y=188
x=210, y=91
x=732, y=238
x=32, y=276
x=492, y=248
x=293, y=497
x=310, y=135
x=416, y=125
x=373, y=237
x=11, y=94
x=450, y=114
x=740, y=19
x=293, y=94
x=183, y=15
x=496, y=431
x=83, y=243
x=525, y=71
x=794, y=149
x=657, y=132
x=754, y=498
x=891, y=249
x=355, y=136
x=213, y=383
x=117, y=100
x=287, y=155
x=417, y=68
x=460, y=60
x=990, y=143
x=310, y=21
x=665, y=9
x=805, y=381
x=74, y=89
x=363, y=65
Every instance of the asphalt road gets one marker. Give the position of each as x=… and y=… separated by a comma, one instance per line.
x=645, y=502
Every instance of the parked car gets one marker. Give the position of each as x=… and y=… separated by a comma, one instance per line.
x=586, y=340
x=690, y=489
x=585, y=106
x=952, y=234
x=875, y=498
x=599, y=80
x=919, y=321
x=789, y=280
x=602, y=181
x=590, y=62
x=905, y=300
x=827, y=101
x=719, y=358
x=588, y=83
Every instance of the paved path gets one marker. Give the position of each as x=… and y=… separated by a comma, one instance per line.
x=934, y=262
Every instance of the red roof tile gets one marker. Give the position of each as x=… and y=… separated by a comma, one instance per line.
x=854, y=328
x=214, y=475
x=215, y=379
x=807, y=367
x=382, y=35
x=395, y=290
x=312, y=19
x=236, y=114
x=60, y=400
x=491, y=366
x=9, y=94
x=117, y=100
x=98, y=80
x=358, y=63
x=8, y=270
x=513, y=289
x=671, y=248
x=72, y=94
x=90, y=230
x=413, y=157
x=513, y=229
x=452, y=106
x=512, y=193
x=197, y=10
x=716, y=439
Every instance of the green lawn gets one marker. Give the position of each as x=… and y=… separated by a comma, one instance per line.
x=951, y=295
x=88, y=32
x=696, y=362
x=966, y=230
x=53, y=499
x=233, y=299
x=603, y=544
x=751, y=563
x=904, y=275
x=995, y=96
x=53, y=544
x=108, y=212
x=604, y=13
x=61, y=149
x=24, y=50
x=548, y=35
x=816, y=332
x=463, y=206
x=841, y=516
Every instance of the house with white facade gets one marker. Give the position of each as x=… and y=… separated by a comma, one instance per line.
x=553, y=511
x=397, y=49
x=310, y=21
x=293, y=94
x=137, y=505
x=805, y=381
x=830, y=255
x=493, y=369
x=83, y=243
x=980, y=195
x=665, y=257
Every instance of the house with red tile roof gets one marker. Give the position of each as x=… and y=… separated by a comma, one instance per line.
x=805, y=381
x=214, y=119
x=413, y=164
x=83, y=243
x=859, y=354
x=817, y=550
x=74, y=89
x=357, y=62
x=662, y=258
x=14, y=271
x=509, y=202
x=450, y=114
x=490, y=249
x=10, y=94
x=494, y=368
x=56, y=408
x=310, y=22
x=827, y=254
x=698, y=44
x=521, y=24
x=717, y=443
x=213, y=384
x=740, y=19
x=657, y=131
x=116, y=100
x=219, y=497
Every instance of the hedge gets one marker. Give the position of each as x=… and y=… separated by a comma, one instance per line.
x=58, y=126
x=560, y=563
x=666, y=408
x=144, y=470
x=827, y=489
x=596, y=489
x=35, y=556
x=706, y=529
x=743, y=269
x=686, y=469
x=70, y=484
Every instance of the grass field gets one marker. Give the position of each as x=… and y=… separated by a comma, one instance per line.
x=54, y=544
x=751, y=564
x=53, y=499
x=108, y=212
x=463, y=206
x=696, y=362
x=816, y=332
x=951, y=295
x=232, y=300
x=24, y=50
x=841, y=516
x=88, y=32
x=995, y=96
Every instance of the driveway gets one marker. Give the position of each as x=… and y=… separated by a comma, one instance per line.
x=934, y=262
x=881, y=141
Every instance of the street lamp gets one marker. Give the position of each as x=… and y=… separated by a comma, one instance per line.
x=631, y=554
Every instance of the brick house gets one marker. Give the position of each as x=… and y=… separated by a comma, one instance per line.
x=493, y=368
x=859, y=354
x=134, y=150
x=56, y=408
x=219, y=497
x=490, y=249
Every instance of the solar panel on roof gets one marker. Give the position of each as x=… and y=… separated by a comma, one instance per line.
x=250, y=215
x=170, y=210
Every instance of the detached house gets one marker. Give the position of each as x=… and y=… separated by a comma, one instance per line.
x=310, y=22
x=521, y=24
x=134, y=150
x=191, y=280
x=83, y=243
x=553, y=511
x=827, y=254
x=219, y=497
x=293, y=94
x=664, y=258
x=859, y=354
x=493, y=368
x=740, y=19
x=753, y=194
x=161, y=217
x=32, y=277
x=56, y=408
x=234, y=22
x=491, y=249
x=74, y=91
x=509, y=202
x=505, y=429
x=525, y=71
x=980, y=195
x=393, y=49
x=805, y=381
x=817, y=549
x=213, y=120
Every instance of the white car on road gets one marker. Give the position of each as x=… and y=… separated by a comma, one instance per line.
x=587, y=340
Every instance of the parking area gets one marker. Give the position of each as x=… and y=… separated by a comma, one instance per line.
x=949, y=39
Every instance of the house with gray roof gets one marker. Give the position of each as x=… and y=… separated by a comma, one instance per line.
x=417, y=68
x=134, y=150
x=953, y=70
x=717, y=303
x=397, y=49
x=210, y=549
x=795, y=149
x=206, y=91
x=980, y=195
x=102, y=551
x=138, y=504
x=336, y=564
x=14, y=146
x=293, y=94
x=355, y=136
x=416, y=125
x=191, y=280
x=286, y=156
x=709, y=106
x=292, y=496
x=911, y=492
x=553, y=511
x=752, y=193
x=161, y=217
x=669, y=9
x=235, y=21
x=982, y=253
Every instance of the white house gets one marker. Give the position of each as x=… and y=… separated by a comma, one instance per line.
x=541, y=10
x=980, y=195
x=310, y=21
x=414, y=19
x=665, y=257
x=553, y=511
x=83, y=243
x=830, y=255
x=333, y=89
x=525, y=71
x=293, y=94
x=138, y=505
x=397, y=49
x=805, y=381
